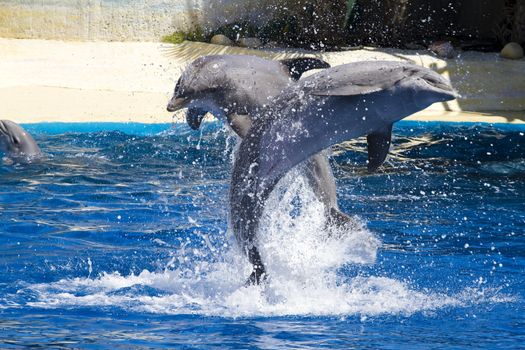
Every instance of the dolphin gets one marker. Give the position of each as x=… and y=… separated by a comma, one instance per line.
x=245, y=84
x=234, y=85
x=17, y=143
x=326, y=108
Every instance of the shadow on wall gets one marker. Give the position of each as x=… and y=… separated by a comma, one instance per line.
x=120, y=20
x=398, y=22
x=209, y=15
x=309, y=24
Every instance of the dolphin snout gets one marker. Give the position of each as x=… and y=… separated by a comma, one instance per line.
x=175, y=104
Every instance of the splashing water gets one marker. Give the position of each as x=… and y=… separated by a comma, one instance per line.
x=135, y=226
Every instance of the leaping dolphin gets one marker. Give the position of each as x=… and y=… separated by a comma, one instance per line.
x=17, y=143
x=229, y=85
x=234, y=87
x=329, y=107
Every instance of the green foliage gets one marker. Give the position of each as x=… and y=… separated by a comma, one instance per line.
x=350, y=12
x=308, y=23
x=174, y=38
x=196, y=34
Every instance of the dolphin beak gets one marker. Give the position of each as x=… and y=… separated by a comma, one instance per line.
x=176, y=103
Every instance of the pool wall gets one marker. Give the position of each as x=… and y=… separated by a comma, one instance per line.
x=57, y=81
x=122, y=20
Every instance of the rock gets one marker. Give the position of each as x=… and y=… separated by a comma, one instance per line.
x=414, y=46
x=512, y=51
x=249, y=42
x=220, y=39
x=271, y=44
x=443, y=49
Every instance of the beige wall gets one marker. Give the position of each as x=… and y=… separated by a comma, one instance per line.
x=119, y=20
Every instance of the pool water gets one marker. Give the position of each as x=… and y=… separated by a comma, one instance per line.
x=120, y=238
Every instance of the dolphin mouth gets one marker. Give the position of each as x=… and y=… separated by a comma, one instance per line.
x=441, y=85
x=176, y=103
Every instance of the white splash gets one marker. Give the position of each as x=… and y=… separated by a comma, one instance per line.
x=302, y=258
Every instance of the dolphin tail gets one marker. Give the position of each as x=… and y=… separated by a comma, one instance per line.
x=337, y=217
x=297, y=66
x=258, y=274
x=339, y=220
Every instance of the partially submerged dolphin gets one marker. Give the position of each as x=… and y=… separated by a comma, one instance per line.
x=17, y=143
x=237, y=88
x=334, y=105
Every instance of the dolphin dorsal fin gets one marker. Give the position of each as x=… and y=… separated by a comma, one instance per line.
x=378, y=146
x=297, y=66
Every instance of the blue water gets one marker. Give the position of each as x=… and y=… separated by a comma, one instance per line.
x=120, y=239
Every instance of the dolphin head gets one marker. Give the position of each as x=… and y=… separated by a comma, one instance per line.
x=200, y=87
x=430, y=87
x=15, y=141
x=228, y=84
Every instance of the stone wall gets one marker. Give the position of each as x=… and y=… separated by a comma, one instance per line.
x=395, y=22
x=120, y=20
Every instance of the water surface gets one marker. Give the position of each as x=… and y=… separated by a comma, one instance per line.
x=120, y=238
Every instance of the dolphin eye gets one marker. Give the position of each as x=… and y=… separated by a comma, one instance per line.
x=16, y=140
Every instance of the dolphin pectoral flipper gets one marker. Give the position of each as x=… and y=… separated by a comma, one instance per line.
x=378, y=147
x=297, y=66
x=194, y=117
x=240, y=123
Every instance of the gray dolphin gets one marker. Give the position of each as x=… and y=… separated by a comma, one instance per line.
x=334, y=105
x=17, y=143
x=228, y=85
x=232, y=84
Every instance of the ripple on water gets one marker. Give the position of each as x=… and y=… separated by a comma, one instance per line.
x=121, y=228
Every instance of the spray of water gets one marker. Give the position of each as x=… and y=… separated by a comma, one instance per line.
x=302, y=254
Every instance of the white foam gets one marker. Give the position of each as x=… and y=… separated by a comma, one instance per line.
x=221, y=293
x=302, y=260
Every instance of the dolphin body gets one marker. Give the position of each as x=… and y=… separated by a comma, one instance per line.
x=17, y=143
x=329, y=107
x=237, y=88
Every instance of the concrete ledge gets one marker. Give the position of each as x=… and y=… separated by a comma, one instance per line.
x=101, y=81
x=59, y=104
